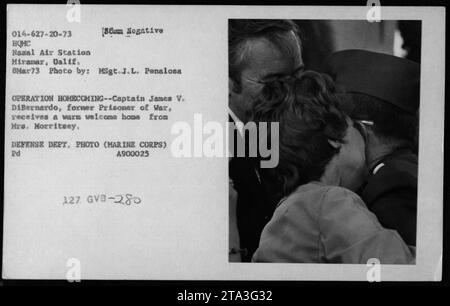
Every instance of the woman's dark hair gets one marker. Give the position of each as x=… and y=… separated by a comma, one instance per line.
x=307, y=111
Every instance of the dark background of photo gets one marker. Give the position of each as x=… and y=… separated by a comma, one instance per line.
x=320, y=38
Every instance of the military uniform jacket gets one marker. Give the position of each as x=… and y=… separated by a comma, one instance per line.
x=391, y=193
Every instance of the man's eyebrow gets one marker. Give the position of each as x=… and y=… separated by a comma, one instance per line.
x=301, y=67
x=279, y=74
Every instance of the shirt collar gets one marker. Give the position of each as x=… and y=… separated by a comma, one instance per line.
x=239, y=124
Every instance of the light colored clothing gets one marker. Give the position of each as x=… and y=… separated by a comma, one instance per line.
x=328, y=224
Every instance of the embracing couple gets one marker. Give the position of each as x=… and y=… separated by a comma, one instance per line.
x=345, y=187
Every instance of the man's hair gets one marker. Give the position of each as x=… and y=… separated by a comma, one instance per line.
x=391, y=124
x=241, y=31
x=307, y=111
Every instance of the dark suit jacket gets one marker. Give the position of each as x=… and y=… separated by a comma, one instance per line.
x=255, y=204
x=391, y=193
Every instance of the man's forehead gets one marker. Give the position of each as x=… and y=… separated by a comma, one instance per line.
x=266, y=57
x=261, y=49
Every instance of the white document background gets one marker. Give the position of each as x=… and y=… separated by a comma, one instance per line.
x=180, y=230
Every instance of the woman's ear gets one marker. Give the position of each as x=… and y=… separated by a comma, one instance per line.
x=335, y=144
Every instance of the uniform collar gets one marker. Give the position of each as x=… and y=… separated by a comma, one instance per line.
x=374, y=166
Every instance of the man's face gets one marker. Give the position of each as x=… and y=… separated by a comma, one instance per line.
x=265, y=63
x=352, y=158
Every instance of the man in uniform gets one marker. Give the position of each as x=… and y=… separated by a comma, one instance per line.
x=382, y=97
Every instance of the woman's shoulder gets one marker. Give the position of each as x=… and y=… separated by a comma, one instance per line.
x=343, y=208
x=337, y=192
x=337, y=197
x=315, y=197
x=322, y=199
x=324, y=193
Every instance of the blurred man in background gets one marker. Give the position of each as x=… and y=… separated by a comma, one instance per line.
x=260, y=51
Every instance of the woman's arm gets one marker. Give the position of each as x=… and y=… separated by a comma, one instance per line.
x=350, y=233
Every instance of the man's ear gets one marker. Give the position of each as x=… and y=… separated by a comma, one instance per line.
x=335, y=144
x=364, y=129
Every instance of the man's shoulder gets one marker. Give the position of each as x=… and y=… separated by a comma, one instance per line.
x=404, y=163
x=397, y=170
x=396, y=173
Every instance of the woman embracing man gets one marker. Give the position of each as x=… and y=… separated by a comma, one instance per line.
x=324, y=160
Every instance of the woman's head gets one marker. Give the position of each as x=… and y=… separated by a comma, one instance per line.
x=314, y=134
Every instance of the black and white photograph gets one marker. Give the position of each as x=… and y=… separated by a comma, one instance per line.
x=223, y=145
x=346, y=96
